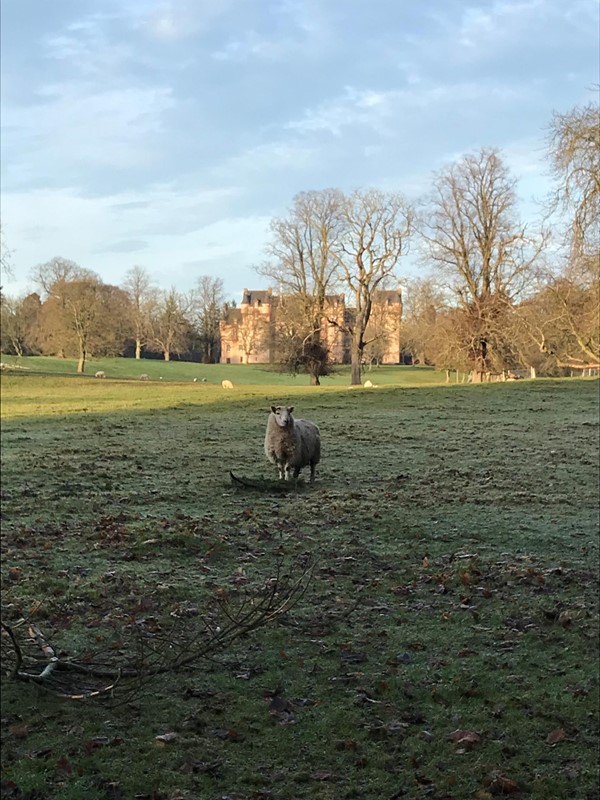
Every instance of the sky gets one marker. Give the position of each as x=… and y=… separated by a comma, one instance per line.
x=168, y=133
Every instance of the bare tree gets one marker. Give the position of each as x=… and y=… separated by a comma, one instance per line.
x=480, y=250
x=375, y=234
x=206, y=312
x=170, y=327
x=561, y=319
x=424, y=305
x=298, y=348
x=143, y=296
x=13, y=333
x=253, y=332
x=574, y=152
x=302, y=265
x=6, y=269
x=383, y=330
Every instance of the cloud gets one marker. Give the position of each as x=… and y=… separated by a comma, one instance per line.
x=253, y=45
x=162, y=229
x=480, y=27
x=292, y=29
x=125, y=246
x=265, y=160
x=381, y=110
x=174, y=20
x=74, y=129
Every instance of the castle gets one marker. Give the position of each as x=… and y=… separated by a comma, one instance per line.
x=248, y=332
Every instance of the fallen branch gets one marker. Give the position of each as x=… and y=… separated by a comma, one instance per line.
x=148, y=654
x=277, y=487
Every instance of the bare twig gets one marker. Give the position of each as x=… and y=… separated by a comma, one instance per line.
x=151, y=653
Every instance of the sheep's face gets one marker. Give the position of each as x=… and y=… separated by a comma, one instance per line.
x=283, y=415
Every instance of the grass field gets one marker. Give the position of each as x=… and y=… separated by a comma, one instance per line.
x=454, y=531
x=213, y=374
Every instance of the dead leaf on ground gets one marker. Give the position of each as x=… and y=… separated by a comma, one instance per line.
x=64, y=764
x=565, y=618
x=503, y=785
x=345, y=744
x=555, y=736
x=165, y=737
x=460, y=736
x=226, y=734
x=322, y=775
x=19, y=730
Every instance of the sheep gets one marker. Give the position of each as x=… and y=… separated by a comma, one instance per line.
x=100, y=374
x=227, y=384
x=368, y=384
x=292, y=444
x=144, y=377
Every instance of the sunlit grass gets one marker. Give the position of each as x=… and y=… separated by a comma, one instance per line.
x=238, y=374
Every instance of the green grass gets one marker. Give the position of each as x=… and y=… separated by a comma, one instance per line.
x=238, y=374
x=455, y=534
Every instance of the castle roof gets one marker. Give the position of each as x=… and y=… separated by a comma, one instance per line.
x=387, y=295
x=251, y=296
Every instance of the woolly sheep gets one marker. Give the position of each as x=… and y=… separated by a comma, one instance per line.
x=368, y=384
x=100, y=374
x=144, y=377
x=292, y=444
x=227, y=384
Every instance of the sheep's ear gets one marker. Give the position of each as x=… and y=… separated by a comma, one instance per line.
x=290, y=409
x=273, y=409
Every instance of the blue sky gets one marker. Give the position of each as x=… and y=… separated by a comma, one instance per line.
x=167, y=133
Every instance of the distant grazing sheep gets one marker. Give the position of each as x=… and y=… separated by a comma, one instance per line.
x=100, y=374
x=227, y=384
x=144, y=377
x=368, y=384
x=195, y=380
x=292, y=444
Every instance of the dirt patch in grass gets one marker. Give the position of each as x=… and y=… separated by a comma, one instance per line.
x=446, y=647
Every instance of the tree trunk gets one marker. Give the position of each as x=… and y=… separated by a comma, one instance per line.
x=81, y=362
x=355, y=374
x=167, y=355
x=138, y=349
x=314, y=380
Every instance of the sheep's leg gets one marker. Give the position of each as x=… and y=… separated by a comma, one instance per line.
x=281, y=469
x=289, y=472
x=313, y=467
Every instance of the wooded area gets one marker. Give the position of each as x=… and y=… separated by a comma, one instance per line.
x=497, y=294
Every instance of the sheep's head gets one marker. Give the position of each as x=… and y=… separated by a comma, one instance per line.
x=283, y=415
